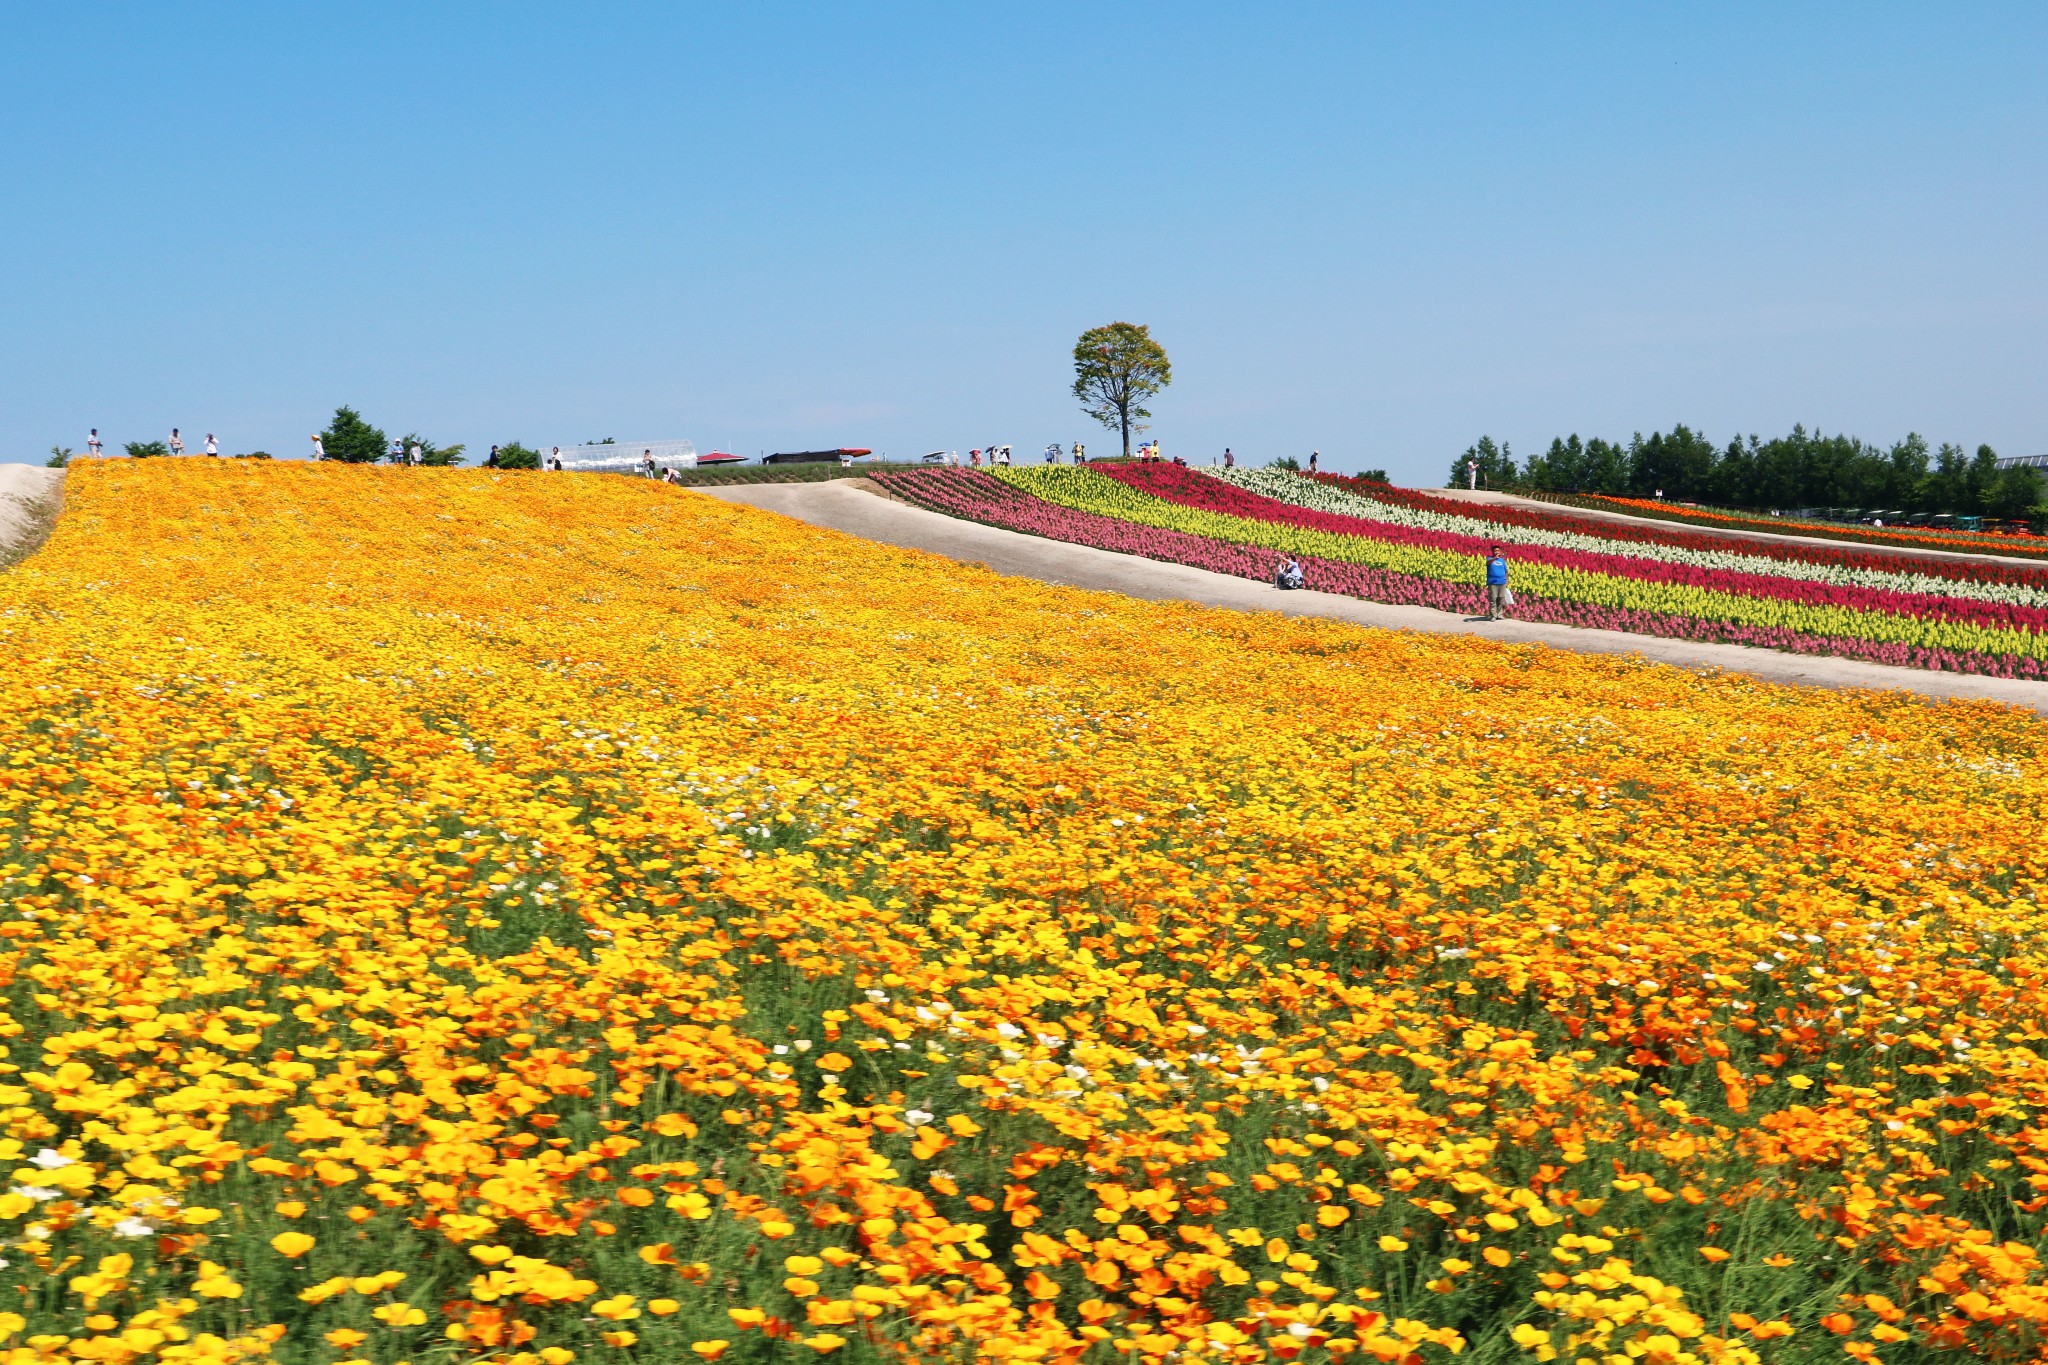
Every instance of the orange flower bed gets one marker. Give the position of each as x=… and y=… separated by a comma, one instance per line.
x=533, y=918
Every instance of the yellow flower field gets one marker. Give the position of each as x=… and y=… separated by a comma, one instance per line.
x=459, y=916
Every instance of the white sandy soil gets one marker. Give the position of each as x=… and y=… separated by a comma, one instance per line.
x=22, y=487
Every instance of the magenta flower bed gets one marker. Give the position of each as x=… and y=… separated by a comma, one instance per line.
x=1171, y=483
x=974, y=496
x=1962, y=571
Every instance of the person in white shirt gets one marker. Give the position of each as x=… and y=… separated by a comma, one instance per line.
x=554, y=458
x=415, y=456
x=212, y=446
x=92, y=442
x=319, y=451
x=177, y=446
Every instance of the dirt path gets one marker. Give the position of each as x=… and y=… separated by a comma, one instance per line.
x=850, y=505
x=1655, y=523
x=28, y=496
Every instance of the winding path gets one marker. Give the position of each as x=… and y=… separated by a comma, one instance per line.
x=860, y=508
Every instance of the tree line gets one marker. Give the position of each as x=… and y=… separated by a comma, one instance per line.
x=1801, y=470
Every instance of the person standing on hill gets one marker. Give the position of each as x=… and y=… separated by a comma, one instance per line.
x=212, y=446
x=1229, y=460
x=175, y=445
x=1497, y=598
x=92, y=443
x=1315, y=459
x=319, y=450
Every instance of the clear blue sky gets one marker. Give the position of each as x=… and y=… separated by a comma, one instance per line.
x=1376, y=230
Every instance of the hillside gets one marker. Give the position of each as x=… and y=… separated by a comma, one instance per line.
x=469, y=916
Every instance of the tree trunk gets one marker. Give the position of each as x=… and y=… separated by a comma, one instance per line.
x=1124, y=412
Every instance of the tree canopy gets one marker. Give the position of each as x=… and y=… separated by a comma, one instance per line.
x=1117, y=369
x=348, y=437
x=1800, y=470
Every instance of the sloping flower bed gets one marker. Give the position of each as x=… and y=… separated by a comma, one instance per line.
x=1497, y=515
x=1896, y=574
x=1908, y=537
x=1131, y=509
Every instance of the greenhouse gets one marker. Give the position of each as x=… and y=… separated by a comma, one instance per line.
x=626, y=457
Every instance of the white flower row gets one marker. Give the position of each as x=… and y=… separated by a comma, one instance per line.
x=1321, y=497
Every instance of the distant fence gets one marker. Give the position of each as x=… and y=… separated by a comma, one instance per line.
x=626, y=457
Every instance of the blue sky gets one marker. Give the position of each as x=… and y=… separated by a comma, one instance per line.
x=1380, y=231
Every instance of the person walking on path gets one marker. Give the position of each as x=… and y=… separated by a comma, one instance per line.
x=1497, y=597
x=1229, y=460
x=92, y=443
x=176, y=446
x=212, y=446
x=319, y=450
x=1315, y=458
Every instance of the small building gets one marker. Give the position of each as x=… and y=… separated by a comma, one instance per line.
x=2022, y=462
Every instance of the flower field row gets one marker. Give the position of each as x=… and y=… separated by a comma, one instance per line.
x=1207, y=522
x=662, y=931
x=1909, y=537
x=1572, y=586
x=1725, y=556
x=1503, y=516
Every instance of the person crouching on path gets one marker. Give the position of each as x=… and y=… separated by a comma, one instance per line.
x=1496, y=584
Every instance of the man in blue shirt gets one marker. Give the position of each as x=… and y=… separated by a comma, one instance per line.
x=1496, y=584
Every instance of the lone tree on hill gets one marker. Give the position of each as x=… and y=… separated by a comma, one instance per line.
x=1116, y=370
x=349, y=437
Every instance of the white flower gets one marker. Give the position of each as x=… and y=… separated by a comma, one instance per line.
x=1297, y=1330
x=50, y=1159
x=828, y=1078
x=1079, y=1073
x=1456, y=953
x=1893, y=1125
x=36, y=1192
x=132, y=1227
x=802, y=1045
x=878, y=997
x=1765, y=967
x=1008, y=1030
x=1196, y=1030
x=781, y=1049
x=918, y=1118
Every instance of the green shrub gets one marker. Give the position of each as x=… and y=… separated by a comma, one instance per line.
x=348, y=437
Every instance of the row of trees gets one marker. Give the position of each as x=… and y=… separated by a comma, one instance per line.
x=1803, y=469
